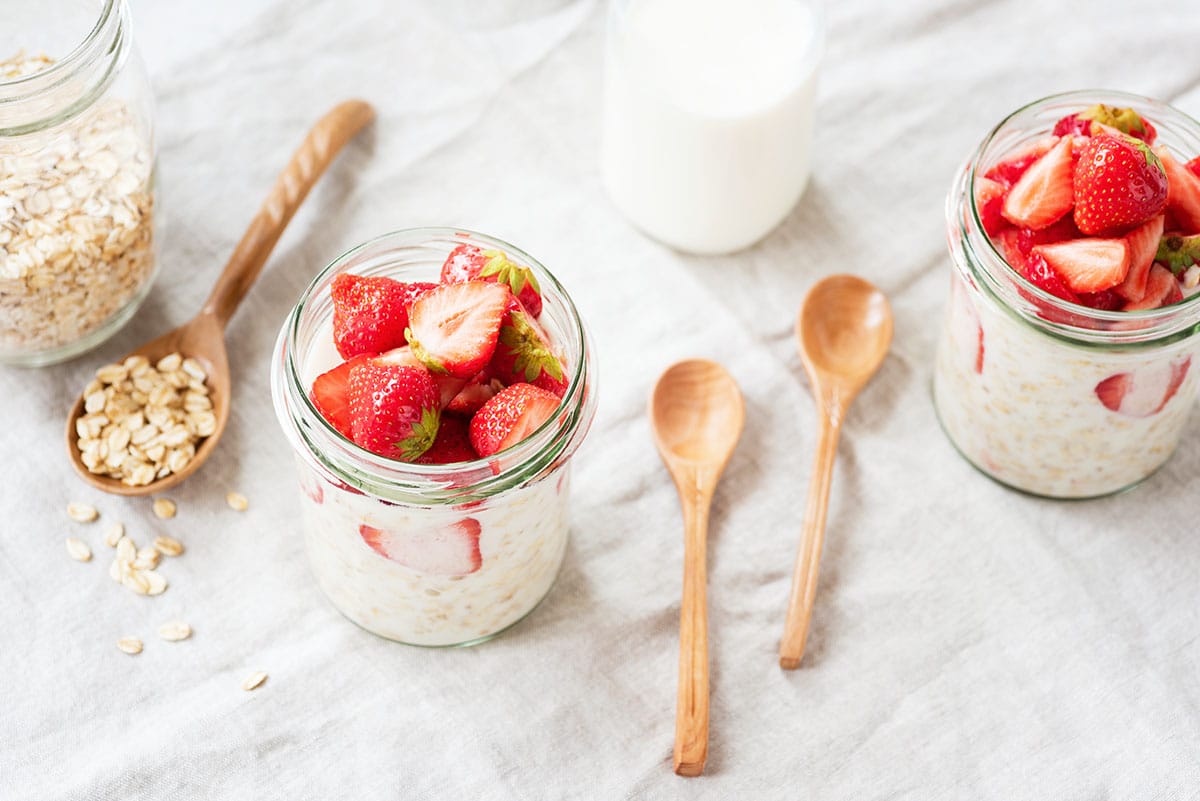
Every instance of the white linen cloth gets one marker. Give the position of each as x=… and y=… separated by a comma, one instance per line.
x=968, y=641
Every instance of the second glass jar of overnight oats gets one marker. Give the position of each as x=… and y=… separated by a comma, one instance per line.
x=1042, y=394
x=504, y=519
x=77, y=170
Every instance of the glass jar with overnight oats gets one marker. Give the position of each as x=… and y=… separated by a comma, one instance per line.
x=1066, y=362
x=430, y=554
x=77, y=170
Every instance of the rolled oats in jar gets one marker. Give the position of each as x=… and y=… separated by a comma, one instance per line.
x=77, y=169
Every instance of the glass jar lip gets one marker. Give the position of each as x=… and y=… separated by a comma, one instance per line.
x=544, y=448
x=1139, y=324
x=69, y=62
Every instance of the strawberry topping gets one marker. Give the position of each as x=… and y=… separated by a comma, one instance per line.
x=453, y=329
x=1119, y=183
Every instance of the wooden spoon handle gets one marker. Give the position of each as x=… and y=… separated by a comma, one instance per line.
x=808, y=559
x=307, y=164
x=691, y=708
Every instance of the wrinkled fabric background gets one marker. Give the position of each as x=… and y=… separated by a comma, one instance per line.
x=968, y=642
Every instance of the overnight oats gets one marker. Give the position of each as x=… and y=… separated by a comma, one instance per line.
x=434, y=385
x=1065, y=367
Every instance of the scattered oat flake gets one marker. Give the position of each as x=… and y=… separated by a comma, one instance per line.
x=168, y=546
x=78, y=549
x=175, y=631
x=113, y=534
x=155, y=582
x=82, y=512
x=237, y=501
x=164, y=508
x=136, y=581
x=130, y=645
x=254, y=681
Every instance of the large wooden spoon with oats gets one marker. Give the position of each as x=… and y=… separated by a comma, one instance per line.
x=173, y=393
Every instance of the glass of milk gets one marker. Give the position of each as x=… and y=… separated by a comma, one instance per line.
x=708, y=116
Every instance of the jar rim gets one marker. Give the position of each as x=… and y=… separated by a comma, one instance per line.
x=1016, y=293
x=107, y=37
x=405, y=482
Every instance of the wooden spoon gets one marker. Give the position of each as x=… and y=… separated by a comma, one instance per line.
x=697, y=414
x=203, y=338
x=844, y=330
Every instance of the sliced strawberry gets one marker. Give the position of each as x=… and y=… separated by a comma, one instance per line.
x=469, y=263
x=394, y=410
x=330, y=393
x=525, y=355
x=964, y=320
x=1088, y=265
x=1143, y=246
x=453, y=329
x=370, y=313
x=1183, y=193
x=453, y=443
x=1144, y=392
x=1178, y=253
x=989, y=200
x=1119, y=183
x=451, y=550
x=1161, y=290
x=1009, y=171
x=508, y=418
x=478, y=391
x=1194, y=166
x=1044, y=192
x=1095, y=119
x=448, y=386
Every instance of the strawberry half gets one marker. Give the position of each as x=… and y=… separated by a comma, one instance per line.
x=394, y=410
x=1144, y=392
x=1095, y=119
x=1009, y=171
x=1143, y=248
x=524, y=353
x=330, y=393
x=478, y=391
x=470, y=263
x=1161, y=290
x=989, y=200
x=371, y=313
x=1183, y=193
x=1043, y=194
x=1088, y=265
x=453, y=329
x=451, y=550
x=508, y=418
x=1119, y=183
x=453, y=443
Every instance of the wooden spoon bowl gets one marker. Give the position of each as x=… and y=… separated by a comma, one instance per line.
x=203, y=338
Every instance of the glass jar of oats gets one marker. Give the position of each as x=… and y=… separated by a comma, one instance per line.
x=77, y=171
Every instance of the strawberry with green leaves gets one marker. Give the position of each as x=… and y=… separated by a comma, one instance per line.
x=1119, y=183
x=394, y=409
x=470, y=263
x=524, y=353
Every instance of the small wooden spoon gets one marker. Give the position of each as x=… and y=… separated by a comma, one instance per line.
x=844, y=330
x=203, y=338
x=697, y=414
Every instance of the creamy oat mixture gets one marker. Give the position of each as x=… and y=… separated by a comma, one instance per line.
x=1024, y=408
x=76, y=223
x=523, y=536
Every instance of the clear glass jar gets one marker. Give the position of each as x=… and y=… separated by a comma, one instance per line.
x=1025, y=383
x=512, y=506
x=77, y=178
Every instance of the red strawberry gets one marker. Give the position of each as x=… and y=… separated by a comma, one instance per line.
x=1119, y=183
x=1106, y=299
x=1041, y=275
x=1178, y=253
x=1017, y=250
x=439, y=551
x=989, y=200
x=448, y=386
x=453, y=443
x=1194, y=166
x=330, y=393
x=1043, y=193
x=453, y=329
x=1183, y=193
x=1009, y=171
x=469, y=263
x=524, y=353
x=370, y=313
x=1093, y=120
x=1143, y=245
x=1088, y=265
x=478, y=391
x=511, y=416
x=394, y=410
x=1144, y=392
x=1161, y=290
